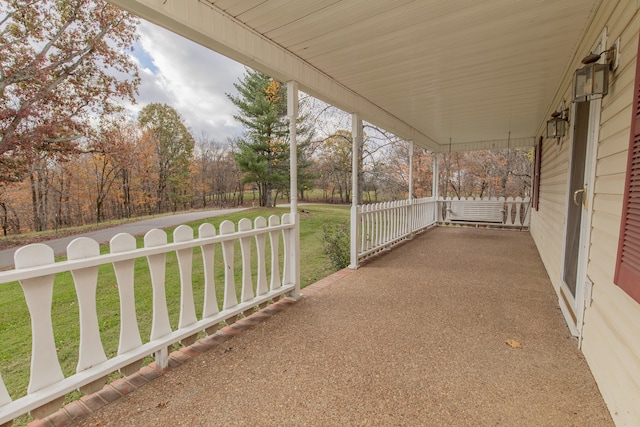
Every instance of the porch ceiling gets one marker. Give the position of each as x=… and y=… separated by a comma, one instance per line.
x=473, y=73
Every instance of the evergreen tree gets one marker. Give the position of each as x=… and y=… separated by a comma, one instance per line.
x=263, y=151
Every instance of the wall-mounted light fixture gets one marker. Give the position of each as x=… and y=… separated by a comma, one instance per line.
x=592, y=80
x=557, y=126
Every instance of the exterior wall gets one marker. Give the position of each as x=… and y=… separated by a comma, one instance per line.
x=611, y=330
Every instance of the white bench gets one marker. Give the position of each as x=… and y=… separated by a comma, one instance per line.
x=476, y=211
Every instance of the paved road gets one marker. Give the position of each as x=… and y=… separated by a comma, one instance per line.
x=134, y=228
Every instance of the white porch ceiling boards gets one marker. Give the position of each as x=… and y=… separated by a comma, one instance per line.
x=474, y=72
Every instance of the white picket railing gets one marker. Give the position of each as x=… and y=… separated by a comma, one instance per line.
x=381, y=225
x=36, y=270
x=503, y=212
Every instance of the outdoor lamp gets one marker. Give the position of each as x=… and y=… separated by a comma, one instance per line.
x=592, y=80
x=557, y=126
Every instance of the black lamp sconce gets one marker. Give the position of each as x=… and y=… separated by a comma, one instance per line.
x=558, y=124
x=592, y=80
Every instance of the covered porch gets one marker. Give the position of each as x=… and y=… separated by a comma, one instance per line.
x=418, y=335
x=428, y=333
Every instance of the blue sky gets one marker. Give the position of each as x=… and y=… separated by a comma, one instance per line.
x=144, y=59
x=190, y=78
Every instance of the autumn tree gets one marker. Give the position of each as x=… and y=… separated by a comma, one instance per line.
x=386, y=164
x=136, y=193
x=487, y=173
x=9, y=219
x=422, y=172
x=173, y=144
x=61, y=62
x=217, y=179
x=334, y=166
x=111, y=153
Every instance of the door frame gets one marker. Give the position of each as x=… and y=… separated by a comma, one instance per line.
x=573, y=308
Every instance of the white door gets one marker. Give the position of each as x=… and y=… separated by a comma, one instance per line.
x=585, y=123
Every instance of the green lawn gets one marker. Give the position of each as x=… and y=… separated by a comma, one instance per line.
x=15, y=332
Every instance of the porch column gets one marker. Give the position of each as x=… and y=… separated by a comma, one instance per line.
x=410, y=170
x=294, y=242
x=410, y=222
x=435, y=186
x=356, y=137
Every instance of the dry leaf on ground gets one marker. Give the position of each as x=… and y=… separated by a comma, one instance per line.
x=514, y=343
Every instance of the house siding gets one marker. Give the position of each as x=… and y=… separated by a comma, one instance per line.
x=611, y=330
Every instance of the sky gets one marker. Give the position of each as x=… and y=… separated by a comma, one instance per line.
x=195, y=80
x=190, y=78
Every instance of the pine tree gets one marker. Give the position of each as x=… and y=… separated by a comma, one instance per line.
x=263, y=151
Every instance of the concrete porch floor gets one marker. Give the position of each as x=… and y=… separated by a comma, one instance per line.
x=416, y=336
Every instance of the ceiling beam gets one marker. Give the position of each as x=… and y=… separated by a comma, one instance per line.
x=495, y=144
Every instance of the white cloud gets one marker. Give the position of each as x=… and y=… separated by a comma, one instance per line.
x=190, y=78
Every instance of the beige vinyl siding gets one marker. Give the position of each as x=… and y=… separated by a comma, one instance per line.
x=611, y=331
x=613, y=318
x=553, y=183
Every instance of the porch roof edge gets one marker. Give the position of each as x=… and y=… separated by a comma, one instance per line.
x=211, y=27
x=496, y=144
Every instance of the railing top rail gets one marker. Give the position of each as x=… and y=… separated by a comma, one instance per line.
x=68, y=265
x=484, y=199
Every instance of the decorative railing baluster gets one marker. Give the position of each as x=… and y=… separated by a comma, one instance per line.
x=365, y=233
x=184, y=233
x=379, y=220
x=286, y=267
x=262, y=286
x=38, y=293
x=188, y=317
x=245, y=250
x=274, y=240
x=91, y=351
x=124, y=271
x=228, y=252
x=4, y=394
x=160, y=325
x=518, y=207
x=210, y=307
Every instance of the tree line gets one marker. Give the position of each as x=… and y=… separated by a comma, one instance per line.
x=70, y=155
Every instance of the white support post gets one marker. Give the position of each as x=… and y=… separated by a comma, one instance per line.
x=292, y=112
x=410, y=170
x=434, y=187
x=356, y=136
x=409, y=218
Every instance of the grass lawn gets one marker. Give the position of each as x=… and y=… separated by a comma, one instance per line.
x=15, y=331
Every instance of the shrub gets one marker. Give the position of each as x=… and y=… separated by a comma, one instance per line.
x=336, y=244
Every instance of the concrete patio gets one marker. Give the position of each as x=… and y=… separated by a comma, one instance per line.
x=416, y=336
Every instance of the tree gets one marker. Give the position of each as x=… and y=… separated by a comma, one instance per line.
x=334, y=161
x=263, y=152
x=111, y=156
x=422, y=172
x=490, y=173
x=173, y=145
x=216, y=178
x=61, y=63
